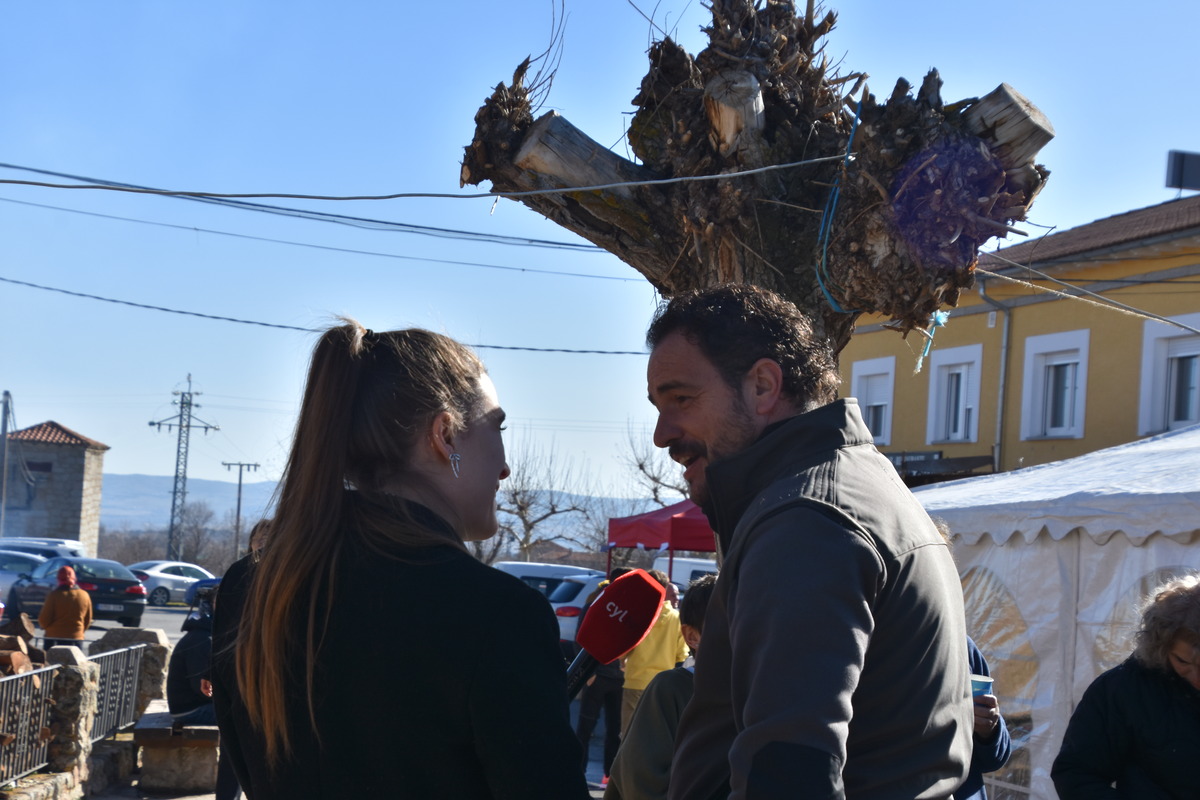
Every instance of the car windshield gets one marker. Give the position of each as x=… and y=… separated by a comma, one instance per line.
x=566, y=591
x=98, y=568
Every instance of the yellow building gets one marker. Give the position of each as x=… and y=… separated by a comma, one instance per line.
x=1018, y=377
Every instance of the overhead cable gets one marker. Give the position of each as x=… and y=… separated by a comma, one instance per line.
x=295, y=327
x=352, y=251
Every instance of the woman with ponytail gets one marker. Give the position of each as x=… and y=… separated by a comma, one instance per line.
x=363, y=652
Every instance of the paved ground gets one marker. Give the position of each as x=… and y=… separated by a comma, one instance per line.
x=594, y=772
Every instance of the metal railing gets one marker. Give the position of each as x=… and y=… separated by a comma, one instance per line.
x=25, y=701
x=116, y=703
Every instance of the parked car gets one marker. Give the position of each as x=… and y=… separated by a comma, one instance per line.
x=116, y=592
x=167, y=580
x=46, y=548
x=543, y=577
x=568, y=601
x=189, y=596
x=14, y=564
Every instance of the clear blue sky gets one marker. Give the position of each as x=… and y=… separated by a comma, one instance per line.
x=379, y=97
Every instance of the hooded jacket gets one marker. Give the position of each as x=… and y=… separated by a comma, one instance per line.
x=833, y=661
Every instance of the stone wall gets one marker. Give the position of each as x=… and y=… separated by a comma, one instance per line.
x=89, y=507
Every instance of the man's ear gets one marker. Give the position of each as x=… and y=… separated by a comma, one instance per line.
x=763, y=387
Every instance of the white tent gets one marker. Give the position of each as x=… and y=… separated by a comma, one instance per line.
x=1055, y=560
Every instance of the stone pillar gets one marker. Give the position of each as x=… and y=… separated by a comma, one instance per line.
x=152, y=683
x=75, y=691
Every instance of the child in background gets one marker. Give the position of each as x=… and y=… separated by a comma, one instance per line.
x=643, y=764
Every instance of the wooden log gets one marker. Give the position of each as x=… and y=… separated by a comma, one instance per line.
x=20, y=625
x=17, y=663
x=14, y=643
x=1014, y=128
x=555, y=148
x=6, y=657
x=733, y=102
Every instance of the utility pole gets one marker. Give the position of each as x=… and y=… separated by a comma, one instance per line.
x=4, y=414
x=237, y=519
x=184, y=421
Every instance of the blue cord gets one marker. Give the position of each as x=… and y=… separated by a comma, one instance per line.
x=827, y=218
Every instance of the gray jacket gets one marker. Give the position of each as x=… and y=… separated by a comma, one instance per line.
x=832, y=663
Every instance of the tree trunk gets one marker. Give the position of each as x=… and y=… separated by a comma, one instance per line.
x=895, y=229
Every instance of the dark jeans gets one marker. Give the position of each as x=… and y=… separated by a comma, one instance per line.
x=48, y=643
x=604, y=693
x=227, y=784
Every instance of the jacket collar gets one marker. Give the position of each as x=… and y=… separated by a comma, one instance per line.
x=784, y=448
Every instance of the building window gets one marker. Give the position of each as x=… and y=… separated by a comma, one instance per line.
x=1170, y=386
x=953, y=414
x=1055, y=385
x=872, y=382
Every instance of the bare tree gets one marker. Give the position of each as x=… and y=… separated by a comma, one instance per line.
x=195, y=532
x=533, y=496
x=654, y=471
x=128, y=546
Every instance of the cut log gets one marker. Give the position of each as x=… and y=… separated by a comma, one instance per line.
x=20, y=625
x=14, y=643
x=733, y=102
x=1014, y=128
x=16, y=662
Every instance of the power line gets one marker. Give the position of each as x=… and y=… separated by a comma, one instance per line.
x=330, y=248
x=219, y=318
x=320, y=216
x=114, y=186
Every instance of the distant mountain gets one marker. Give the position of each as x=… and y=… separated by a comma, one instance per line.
x=137, y=502
x=144, y=501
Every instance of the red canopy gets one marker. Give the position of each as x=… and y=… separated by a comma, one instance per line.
x=682, y=526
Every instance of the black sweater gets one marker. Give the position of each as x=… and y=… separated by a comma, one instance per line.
x=441, y=679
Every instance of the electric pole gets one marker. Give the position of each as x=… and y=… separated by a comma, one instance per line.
x=237, y=519
x=4, y=413
x=184, y=420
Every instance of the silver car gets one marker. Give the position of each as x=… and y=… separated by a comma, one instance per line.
x=167, y=581
x=14, y=564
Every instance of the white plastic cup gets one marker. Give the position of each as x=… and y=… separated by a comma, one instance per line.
x=980, y=684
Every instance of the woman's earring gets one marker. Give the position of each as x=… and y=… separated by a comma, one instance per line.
x=455, y=461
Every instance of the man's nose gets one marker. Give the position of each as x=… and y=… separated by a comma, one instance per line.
x=504, y=473
x=664, y=432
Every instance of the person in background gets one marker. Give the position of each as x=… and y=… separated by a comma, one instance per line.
x=602, y=692
x=642, y=769
x=833, y=643
x=662, y=649
x=189, y=690
x=1136, y=731
x=343, y=667
x=67, y=612
x=992, y=743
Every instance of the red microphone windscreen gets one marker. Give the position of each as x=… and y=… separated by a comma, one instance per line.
x=621, y=616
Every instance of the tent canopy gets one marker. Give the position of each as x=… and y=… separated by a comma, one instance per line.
x=1139, y=489
x=682, y=526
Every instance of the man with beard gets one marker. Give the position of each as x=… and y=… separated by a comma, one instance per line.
x=832, y=662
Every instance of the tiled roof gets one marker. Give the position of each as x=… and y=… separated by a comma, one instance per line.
x=1129, y=228
x=53, y=433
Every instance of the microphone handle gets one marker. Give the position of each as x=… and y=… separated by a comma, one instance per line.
x=582, y=668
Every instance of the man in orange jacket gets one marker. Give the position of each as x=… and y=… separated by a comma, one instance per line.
x=67, y=612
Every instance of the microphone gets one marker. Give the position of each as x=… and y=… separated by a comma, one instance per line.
x=615, y=623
